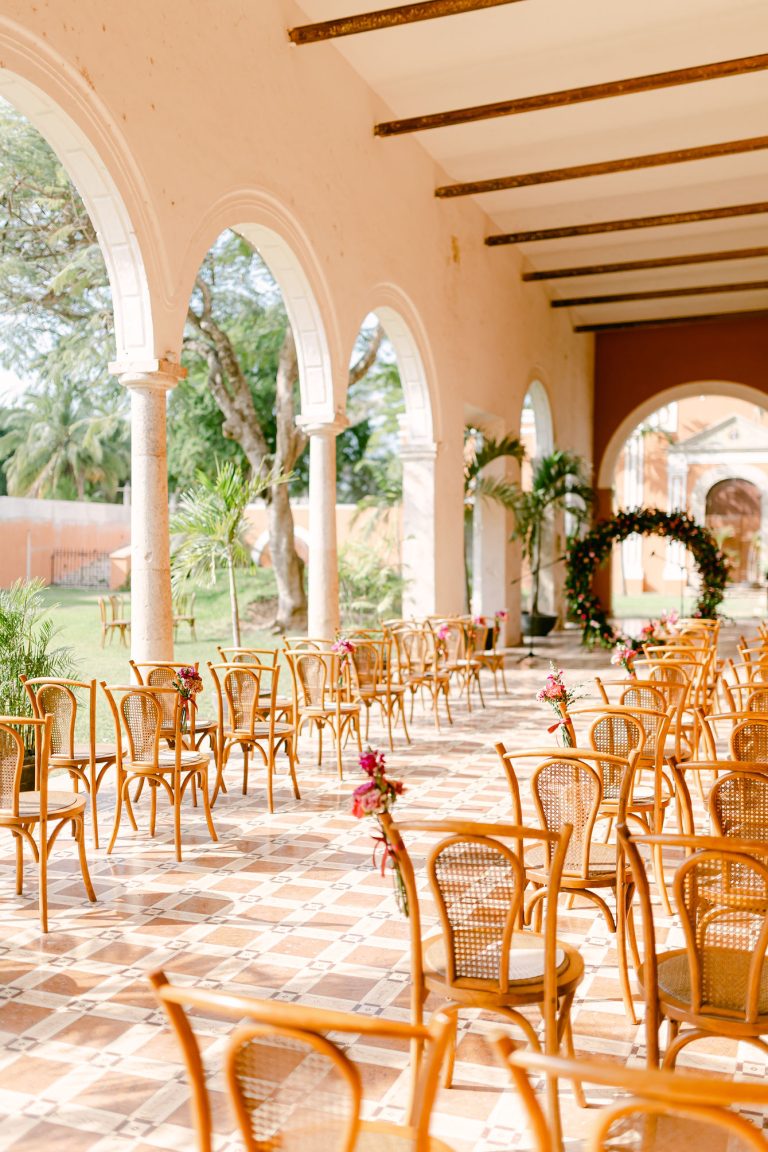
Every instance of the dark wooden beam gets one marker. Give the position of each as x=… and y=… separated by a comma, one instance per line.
x=703, y=318
x=662, y=294
x=568, y=96
x=640, y=265
x=602, y=168
x=388, y=18
x=667, y=218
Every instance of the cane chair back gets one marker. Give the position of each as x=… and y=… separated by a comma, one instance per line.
x=749, y=740
x=422, y=667
x=316, y=676
x=321, y=690
x=307, y=643
x=482, y=957
x=41, y=810
x=757, y=700
x=366, y=665
x=718, y=982
x=649, y=1109
x=417, y=654
x=291, y=1072
x=738, y=805
x=570, y=791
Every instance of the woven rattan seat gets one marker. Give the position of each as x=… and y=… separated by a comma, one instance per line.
x=726, y=972
x=188, y=758
x=58, y=802
x=602, y=858
x=526, y=959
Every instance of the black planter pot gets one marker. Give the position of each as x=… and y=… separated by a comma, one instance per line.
x=538, y=625
x=28, y=773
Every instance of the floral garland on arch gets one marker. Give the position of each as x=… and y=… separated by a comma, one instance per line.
x=591, y=550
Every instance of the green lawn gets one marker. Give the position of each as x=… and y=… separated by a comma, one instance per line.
x=739, y=604
x=76, y=615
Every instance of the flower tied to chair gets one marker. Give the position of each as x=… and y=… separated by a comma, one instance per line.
x=343, y=649
x=189, y=684
x=624, y=655
x=372, y=798
x=559, y=696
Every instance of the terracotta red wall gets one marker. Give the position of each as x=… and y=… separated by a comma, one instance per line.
x=633, y=365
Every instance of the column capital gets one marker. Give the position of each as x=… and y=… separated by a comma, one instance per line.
x=416, y=450
x=315, y=427
x=157, y=375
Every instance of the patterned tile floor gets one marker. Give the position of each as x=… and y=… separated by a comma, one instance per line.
x=284, y=906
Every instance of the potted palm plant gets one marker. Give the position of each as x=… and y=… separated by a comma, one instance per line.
x=27, y=635
x=559, y=483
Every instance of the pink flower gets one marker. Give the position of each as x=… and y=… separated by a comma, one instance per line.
x=502, y=614
x=372, y=762
x=444, y=632
x=343, y=647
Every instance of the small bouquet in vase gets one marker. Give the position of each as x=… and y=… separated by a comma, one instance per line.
x=189, y=684
x=372, y=798
x=559, y=697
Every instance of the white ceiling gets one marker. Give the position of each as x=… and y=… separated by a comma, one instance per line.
x=538, y=46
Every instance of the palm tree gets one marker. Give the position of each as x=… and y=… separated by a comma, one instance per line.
x=559, y=483
x=59, y=445
x=480, y=449
x=210, y=522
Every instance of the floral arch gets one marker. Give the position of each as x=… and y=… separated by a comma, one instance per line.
x=588, y=553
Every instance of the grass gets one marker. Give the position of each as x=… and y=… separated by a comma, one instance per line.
x=739, y=604
x=75, y=613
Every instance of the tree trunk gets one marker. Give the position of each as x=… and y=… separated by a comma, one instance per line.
x=289, y=444
x=234, y=607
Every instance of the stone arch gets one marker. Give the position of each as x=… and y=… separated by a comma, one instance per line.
x=607, y=466
x=56, y=100
x=716, y=475
x=290, y=257
x=418, y=445
x=542, y=416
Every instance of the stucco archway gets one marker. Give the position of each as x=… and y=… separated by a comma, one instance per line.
x=43, y=88
x=538, y=402
x=621, y=434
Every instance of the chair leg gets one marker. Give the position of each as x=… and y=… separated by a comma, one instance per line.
x=19, y=863
x=152, y=807
x=202, y=775
x=42, y=875
x=270, y=772
x=450, y=1051
x=177, y=818
x=84, y=861
x=244, y=748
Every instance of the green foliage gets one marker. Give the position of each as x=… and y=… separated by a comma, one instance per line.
x=369, y=590
x=480, y=450
x=60, y=443
x=27, y=634
x=560, y=483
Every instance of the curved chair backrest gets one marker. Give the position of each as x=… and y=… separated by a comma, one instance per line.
x=569, y=791
x=247, y=655
x=289, y=1083
x=757, y=700
x=313, y=677
x=250, y=691
x=140, y=712
x=12, y=752
x=738, y=805
x=57, y=697
x=749, y=740
x=649, y=1108
x=367, y=664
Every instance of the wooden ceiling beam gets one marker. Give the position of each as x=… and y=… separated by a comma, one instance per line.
x=662, y=294
x=603, y=167
x=665, y=321
x=567, y=96
x=641, y=265
x=663, y=220
x=388, y=18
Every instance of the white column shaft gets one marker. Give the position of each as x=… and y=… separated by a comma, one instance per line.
x=323, y=590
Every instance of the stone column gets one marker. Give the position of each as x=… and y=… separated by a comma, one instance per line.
x=601, y=584
x=323, y=576
x=151, y=614
x=418, y=546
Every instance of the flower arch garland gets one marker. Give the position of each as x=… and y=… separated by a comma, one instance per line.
x=588, y=553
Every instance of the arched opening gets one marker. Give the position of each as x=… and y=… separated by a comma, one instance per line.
x=93, y=179
x=704, y=452
x=416, y=449
x=733, y=517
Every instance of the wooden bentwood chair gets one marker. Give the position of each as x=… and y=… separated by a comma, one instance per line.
x=141, y=712
x=717, y=984
x=290, y=1085
x=248, y=716
x=42, y=810
x=86, y=763
x=481, y=957
x=662, y=1111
